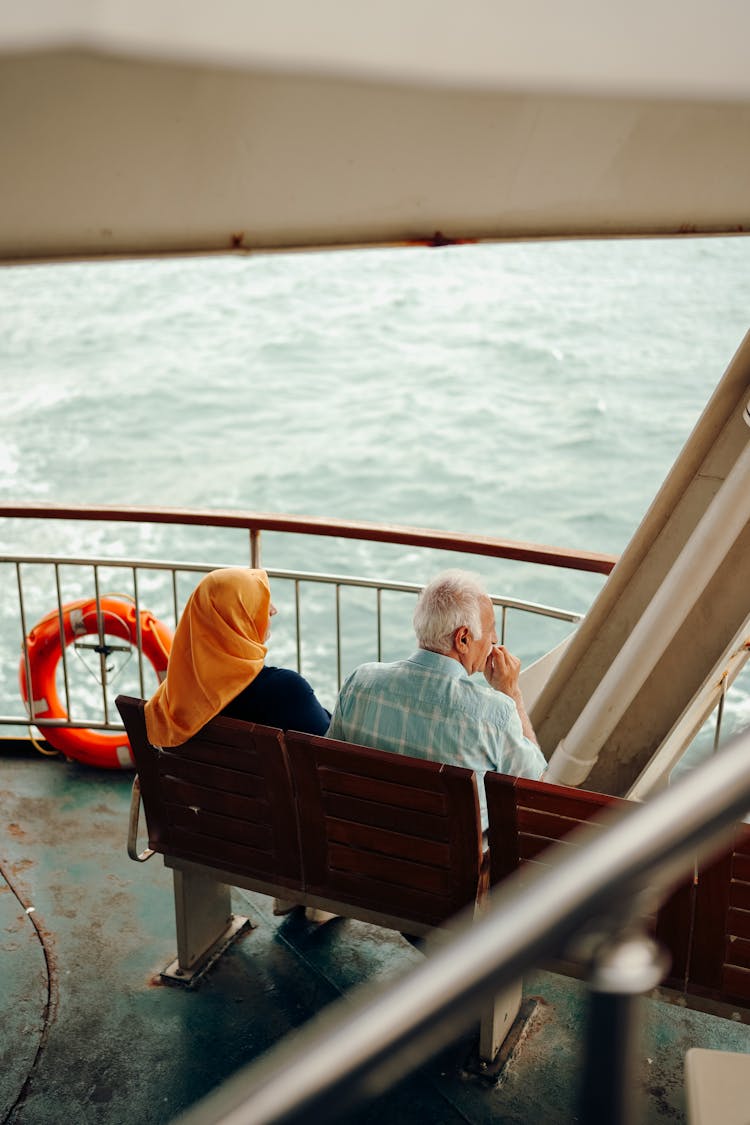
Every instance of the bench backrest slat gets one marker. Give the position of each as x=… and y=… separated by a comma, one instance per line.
x=172, y=768
x=189, y=793
x=389, y=794
x=383, y=814
x=362, y=840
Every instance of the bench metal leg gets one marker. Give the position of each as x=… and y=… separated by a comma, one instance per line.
x=497, y=1020
x=205, y=924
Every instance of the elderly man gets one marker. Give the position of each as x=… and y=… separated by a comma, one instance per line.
x=430, y=707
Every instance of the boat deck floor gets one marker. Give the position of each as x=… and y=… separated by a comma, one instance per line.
x=90, y=1034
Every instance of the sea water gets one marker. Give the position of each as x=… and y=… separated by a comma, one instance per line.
x=533, y=391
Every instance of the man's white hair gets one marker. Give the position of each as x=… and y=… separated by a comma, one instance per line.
x=451, y=600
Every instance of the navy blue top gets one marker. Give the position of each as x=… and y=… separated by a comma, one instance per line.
x=279, y=697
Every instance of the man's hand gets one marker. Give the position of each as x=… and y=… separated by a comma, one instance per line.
x=502, y=670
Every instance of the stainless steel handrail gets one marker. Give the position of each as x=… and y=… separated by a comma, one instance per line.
x=356, y=1050
x=348, y=580
x=254, y=524
x=295, y=577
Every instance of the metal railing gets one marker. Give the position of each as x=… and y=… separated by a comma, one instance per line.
x=592, y=897
x=83, y=574
x=254, y=524
x=331, y=667
x=136, y=568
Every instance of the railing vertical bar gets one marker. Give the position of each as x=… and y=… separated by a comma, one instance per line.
x=63, y=646
x=138, y=635
x=338, y=636
x=175, y=604
x=503, y=621
x=24, y=631
x=255, y=548
x=380, y=621
x=102, y=654
x=297, y=624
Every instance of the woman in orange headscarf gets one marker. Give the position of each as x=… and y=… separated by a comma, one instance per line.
x=216, y=665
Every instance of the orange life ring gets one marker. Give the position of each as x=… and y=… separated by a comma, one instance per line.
x=109, y=749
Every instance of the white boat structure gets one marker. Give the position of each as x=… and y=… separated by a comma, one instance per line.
x=160, y=129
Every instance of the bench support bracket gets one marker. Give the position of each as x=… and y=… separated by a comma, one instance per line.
x=497, y=1020
x=205, y=925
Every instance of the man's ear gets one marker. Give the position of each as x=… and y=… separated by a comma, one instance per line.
x=461, y=638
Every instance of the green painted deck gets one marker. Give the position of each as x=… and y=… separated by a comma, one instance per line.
x=90, y=1034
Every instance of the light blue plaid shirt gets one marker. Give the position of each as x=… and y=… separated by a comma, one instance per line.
x=429, y=707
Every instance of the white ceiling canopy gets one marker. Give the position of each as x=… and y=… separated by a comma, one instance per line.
x=171, y=126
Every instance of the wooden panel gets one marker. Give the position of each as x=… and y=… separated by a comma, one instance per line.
x=214, y=827
x=541, y=823
x=737, y=952
x=389, y=898
x=217, y=777
x=390, y=870
x=332, y=753
x=739, y=895
x=741, y=868
x=389, y=792
x=411, y=821
x=735, y=984
x=578, y=804
x=230, y=804
x=738, y=923
x=220, y=748
x=361, y=836
x=222, y=853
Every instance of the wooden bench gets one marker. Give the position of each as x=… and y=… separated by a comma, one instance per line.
x=380, y=837
x=387, y=839
x=704, y=924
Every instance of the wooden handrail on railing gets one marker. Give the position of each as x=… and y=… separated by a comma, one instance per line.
x=255, y=522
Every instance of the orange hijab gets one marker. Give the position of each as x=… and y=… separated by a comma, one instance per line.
x=216, y=652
